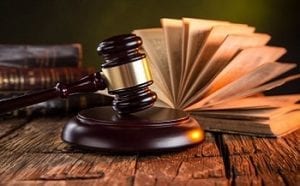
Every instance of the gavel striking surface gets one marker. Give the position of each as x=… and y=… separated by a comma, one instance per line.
x=154, y=129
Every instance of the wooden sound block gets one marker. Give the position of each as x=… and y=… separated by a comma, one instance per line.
x=154, y=129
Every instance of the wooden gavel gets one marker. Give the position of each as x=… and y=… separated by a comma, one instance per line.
x=125, y=73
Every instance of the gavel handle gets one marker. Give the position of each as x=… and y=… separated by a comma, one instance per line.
x=90, y=83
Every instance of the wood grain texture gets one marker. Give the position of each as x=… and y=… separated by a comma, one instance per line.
x=268, y=161
x=32, y=153
x=9, y=126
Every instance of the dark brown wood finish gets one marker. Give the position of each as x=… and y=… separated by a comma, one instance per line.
x=32, y=153
x=154, y=129
x=89, y=83
x=120, y=49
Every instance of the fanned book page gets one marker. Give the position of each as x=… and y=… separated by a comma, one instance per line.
x=218, y=71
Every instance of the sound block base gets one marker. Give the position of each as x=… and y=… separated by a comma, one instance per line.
x=154, y=129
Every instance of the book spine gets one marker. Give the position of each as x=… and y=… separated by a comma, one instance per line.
x=18, y=79
x=72, y=104
x=28, y=56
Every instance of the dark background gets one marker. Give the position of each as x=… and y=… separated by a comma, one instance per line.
x=90, y=21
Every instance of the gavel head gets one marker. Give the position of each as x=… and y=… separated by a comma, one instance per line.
x=127, y=73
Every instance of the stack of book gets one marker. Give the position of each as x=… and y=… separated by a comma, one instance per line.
x=25, y=68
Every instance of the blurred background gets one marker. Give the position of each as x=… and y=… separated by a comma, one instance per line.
x=90, y=21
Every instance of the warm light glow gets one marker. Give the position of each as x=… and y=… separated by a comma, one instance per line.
x=195, y=135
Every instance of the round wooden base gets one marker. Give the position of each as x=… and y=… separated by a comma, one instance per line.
x=154, y=129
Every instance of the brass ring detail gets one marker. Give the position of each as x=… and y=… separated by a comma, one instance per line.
x=127, y=75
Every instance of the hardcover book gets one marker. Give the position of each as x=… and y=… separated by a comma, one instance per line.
x=218, y=71
x=28, y=67
x=20, y=79
x=28, y=56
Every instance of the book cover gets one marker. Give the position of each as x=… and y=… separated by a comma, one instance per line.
x=29, y=56
x=20, y=79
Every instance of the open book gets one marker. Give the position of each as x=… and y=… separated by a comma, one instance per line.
x=217, y=71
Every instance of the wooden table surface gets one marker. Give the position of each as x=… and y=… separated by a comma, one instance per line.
x=33, y=153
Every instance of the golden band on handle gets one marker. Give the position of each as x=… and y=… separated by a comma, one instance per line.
x=127, y=75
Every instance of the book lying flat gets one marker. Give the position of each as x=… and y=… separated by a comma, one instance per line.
x=33, y=56
x=20, y=79
x=218, y=71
